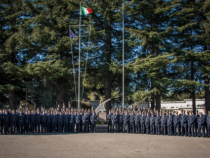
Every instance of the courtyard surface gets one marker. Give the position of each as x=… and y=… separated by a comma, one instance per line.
x=102, y=145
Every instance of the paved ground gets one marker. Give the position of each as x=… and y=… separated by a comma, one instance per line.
x=102, y=145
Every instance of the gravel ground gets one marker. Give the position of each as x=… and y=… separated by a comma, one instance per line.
x=101, y=145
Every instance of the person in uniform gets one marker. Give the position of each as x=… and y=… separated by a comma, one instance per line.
x=109, y=121
x=184, y=125
x=72, y=122
x=32, y=122
x=66, y=122
x=84, y=122
x=77, y=119
x=21, y=122
x=137, y=122
x=191, y=124
x=53, y=122
x=177, y=125
x=121, y=116
x=132, y=122
x=13, y=121
x=201, y=125
x=26, y=121
x=164, y=124
x=143, y=116
x=93, y=120
x=147, y=123
x=44, y=122
x=115, y=122
x=60, y=122
x=38, y=120
x=1, y=122
x=170, y=124
x=196, y=122
x=6, y=122
x=126, y=122
x=152, y=124
x=208, y=124
x=158, y=124
x=49, y=122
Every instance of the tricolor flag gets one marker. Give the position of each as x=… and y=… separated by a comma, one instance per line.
x=85, y=11
x=72, y=34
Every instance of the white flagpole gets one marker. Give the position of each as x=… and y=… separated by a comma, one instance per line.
x=123, y=73
x=79, y=58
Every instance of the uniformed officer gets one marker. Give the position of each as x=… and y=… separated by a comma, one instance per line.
x=109, y=121
x=1, y=122
x=121, y=116
x=66, y=122
x=184, y=125
x=164, y=124
x=38, y=120
x=49, y=122
x=13, y=121
x=208, y=125
x=158, y=124
x=152, y=124
x=60, y=122
x=201, y=125
x=115, y=122
x=93, y=120
x=72, y=122
x=32, y=121
x=191, y=124
x=53, y=122
x=77, y=119
x=6, y=122
x=147, y=123
x=170, y=124
x=132, y=122
x=20, y=122
x=44, y=122
x=137, y=122
x=143, y=116
x=126, y=122
x=84, y=122
x=26, y=121
x=177, y=125
x=196, y=122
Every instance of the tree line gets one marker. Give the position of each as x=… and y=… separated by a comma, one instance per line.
x=167, y=53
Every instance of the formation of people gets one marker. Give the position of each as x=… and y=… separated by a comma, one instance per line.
x=159, y=122
x=47, y=121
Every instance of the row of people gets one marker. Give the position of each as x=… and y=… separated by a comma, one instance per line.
x=159, y=123
x=12, y=122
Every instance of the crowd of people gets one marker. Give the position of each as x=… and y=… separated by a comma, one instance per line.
x=60, y=120
x=159, y=122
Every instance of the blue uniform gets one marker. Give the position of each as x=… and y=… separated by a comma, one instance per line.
x=208, y=125
x=147, y=124
x=49, y=123
x=77, y=120
x=1, y=123
x=137, y=123
x=201, y=126
x=72, y=123
x=143, y=117
x=66, y=122
x=6, y=123
x=152, y=124
x=109, y=122
x=93, y=120
x=170, y=125
x=53, y=122
x=177, y=124
x=121, y=116
x=132, y=122
x=60, y=123
x=13, y=120
x=38, y=120
x=115, y=122
x=84, y=123
x=196, y=124
x=158, y=125
x=32, y=122
x=164, y=125
x=126, y=122
x=184, y=126
x=44, y=123
x=27, y=122
x=20, y=123
x=191, y=125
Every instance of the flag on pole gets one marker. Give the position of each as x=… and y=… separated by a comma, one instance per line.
x=72, y=34
x=85, y=11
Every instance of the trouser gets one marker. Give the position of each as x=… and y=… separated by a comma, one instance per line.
x=170, y=130
x=93, y=127
x=20, y=124
x=164, y=129
x=184, y=129
x=177, y=126
x=13, y=126
x=191, y=130
x=66, y=128
x=6, y=126
x=127, y=126
x=78, y=127
x=72, y=125
x=208, y=127
x=148, y=128
x=137, y=127
x=142, y=128
x=44, y=127
x=32, y=127
x=201, y=127
x=152, y=128
x=120, y=127
x=115, y=127
x=60, y=127
x=1, y=127
x=26, y=127
x=87, y=126
x=53, y=126
x=84, y=127
x=109, y=127
x=157, y=129
x=132, y=127
x=48, y=127
x=37, y=127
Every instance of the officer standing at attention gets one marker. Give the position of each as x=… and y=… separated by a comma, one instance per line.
x=143, y=116
x=177, y=124
x=6, y=122
x=93, y=120
x=115, y=122
x=48, y=122
x=121, y=116
x=191, y=124
x=53, y=121
x=126, y=122
x=132, y=122
x=44, y=122
x=164, y=124
x=170, y=124
x=84, y=122
x=196, y=122
x=38, y=120
x=66, y=122
x=152, y=124
x=72, y=122
x=158, y=124
x=27, y=121
x=147, y=123
x=13, y=121
x=109, y=121
x=77, y=120
x=184, y=125
x=20, y=122
x=201, y=125
x=60, y=122
x=137, y=122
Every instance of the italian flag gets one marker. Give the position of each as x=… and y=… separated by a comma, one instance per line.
x=85, y=11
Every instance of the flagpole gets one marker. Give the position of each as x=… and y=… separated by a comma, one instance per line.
x=123, y=56
x=79, y=58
